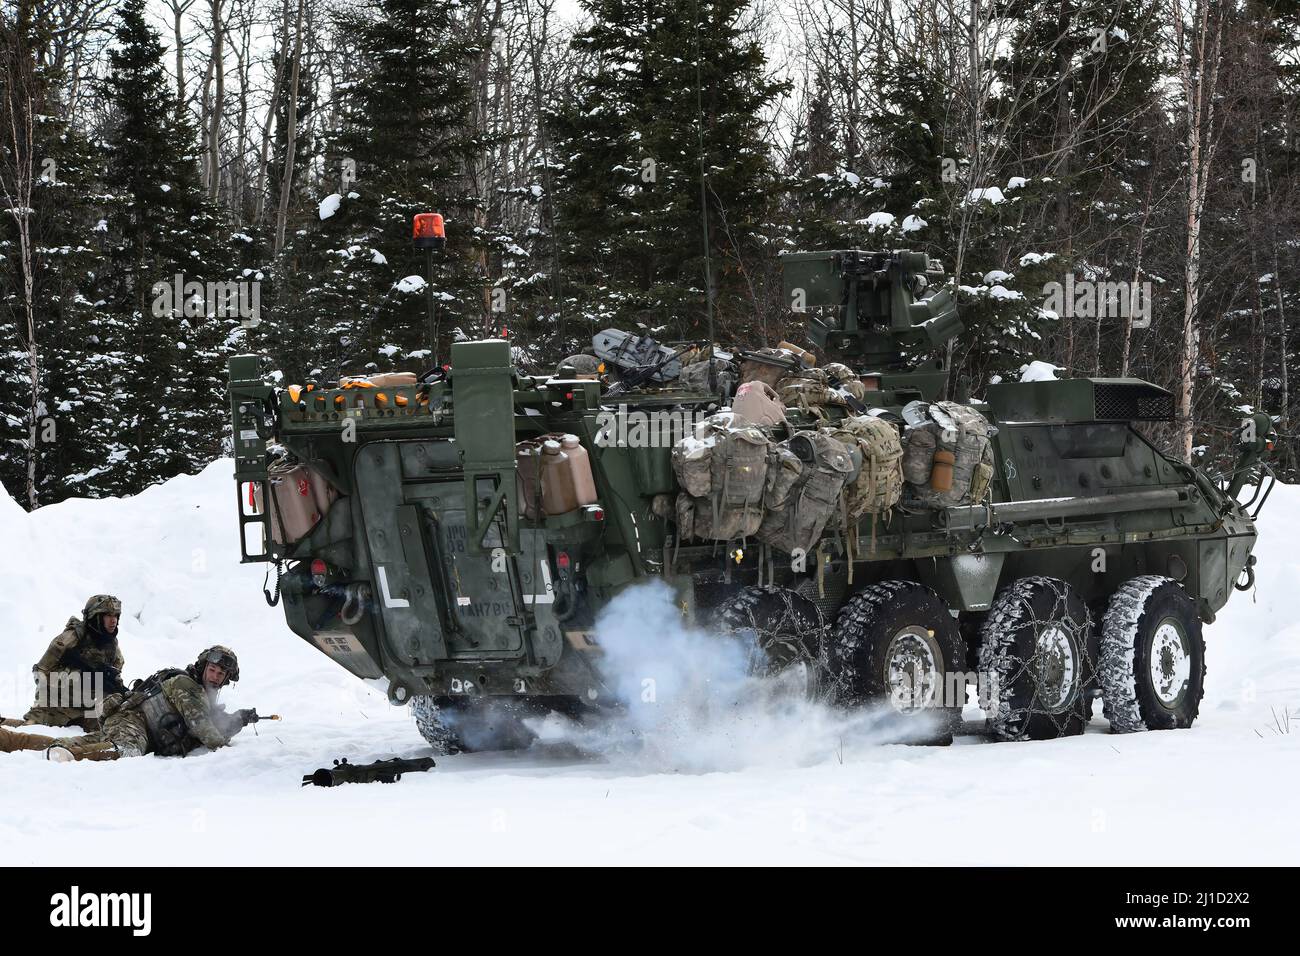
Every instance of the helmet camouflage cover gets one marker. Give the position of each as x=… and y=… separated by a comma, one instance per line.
x=225, y=657
x=101, y=604
x=579, y=366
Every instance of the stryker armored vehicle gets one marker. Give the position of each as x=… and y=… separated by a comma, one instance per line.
x=1078, y=561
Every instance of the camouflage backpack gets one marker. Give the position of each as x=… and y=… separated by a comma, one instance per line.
x=810, y=390
x=806, y=475
x=695, y=375
x=878, y=484
x=722, y=470
x=961, y=433
x=845, y=380
x=815, y=388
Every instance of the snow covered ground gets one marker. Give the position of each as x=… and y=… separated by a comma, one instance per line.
x=805, y=788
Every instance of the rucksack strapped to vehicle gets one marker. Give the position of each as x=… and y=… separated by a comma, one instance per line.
x=947, y=454
x=877, y=485
x=721, y=469
x=808, y=473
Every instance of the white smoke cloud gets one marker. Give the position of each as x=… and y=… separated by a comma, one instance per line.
x=688, y=703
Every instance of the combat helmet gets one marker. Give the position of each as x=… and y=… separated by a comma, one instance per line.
x=99, y=604
x=218, y=654
x=580, y=366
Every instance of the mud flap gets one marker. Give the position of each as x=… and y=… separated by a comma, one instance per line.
x=967, y=582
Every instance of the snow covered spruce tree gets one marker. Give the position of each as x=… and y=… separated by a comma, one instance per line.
x=52, y=376
x=662, y=81
x=350, y=288
x=916, y=186
x=165, y=309
x=1075, y=110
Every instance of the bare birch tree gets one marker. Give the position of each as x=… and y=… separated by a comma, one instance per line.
x=1197, y=57
x=291, y=134
x=17, y=181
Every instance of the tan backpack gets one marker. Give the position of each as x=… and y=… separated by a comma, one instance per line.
x=879, y=481
x=809, y=390
x=806, y=475
x=947, y=457
x=722, y=471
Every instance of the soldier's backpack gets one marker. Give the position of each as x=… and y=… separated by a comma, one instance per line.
x=806, y=475
x=947, y=455
x=844, y=379
x=814, y=389
x=695, y=375
x=878, y=484
x=722, y=470
x=634, y=352
x=770, y=365
x=808, y=390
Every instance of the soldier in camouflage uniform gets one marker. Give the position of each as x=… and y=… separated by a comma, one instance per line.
x=168, y=714
x=86, y=647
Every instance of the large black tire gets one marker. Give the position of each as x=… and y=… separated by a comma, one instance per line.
x=783, y=633
x=896, y=643
x=1152, y=657
x=466, y=724
x=1034, y=668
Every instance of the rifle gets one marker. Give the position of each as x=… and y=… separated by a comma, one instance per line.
x=237, y=721
x=112, y=676
x=381, y=771
x=793, y=364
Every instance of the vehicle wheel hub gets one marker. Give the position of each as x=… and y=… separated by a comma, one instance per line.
x=1170, y=664
x=1057, y=667
x=912, y=670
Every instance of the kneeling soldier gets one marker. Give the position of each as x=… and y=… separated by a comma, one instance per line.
x=82, y=662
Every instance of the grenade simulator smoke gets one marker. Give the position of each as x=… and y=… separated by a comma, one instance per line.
x=425, y=573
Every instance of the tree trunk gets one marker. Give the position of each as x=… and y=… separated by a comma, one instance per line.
x=1199, y=92
x=178, y=13
x=218, y=99
x=17, y=191
x=1126, y=348
x=259, y=201
x=291, y=135
x=205, y=112
x=1283, y=354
